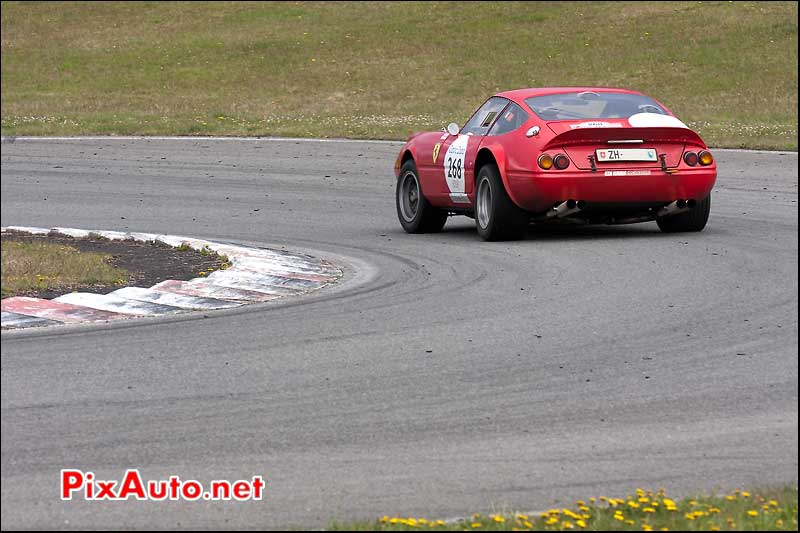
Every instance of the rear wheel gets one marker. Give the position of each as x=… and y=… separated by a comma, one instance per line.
x=496, y=216
x=693, y=220
x=416, y=214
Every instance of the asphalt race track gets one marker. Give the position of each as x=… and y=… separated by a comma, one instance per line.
x=444, y=376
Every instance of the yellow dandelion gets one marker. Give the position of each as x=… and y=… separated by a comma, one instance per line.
x=647, y=527
x=580, y=523
x=476, y=525
x=523, y=517
x=619, y=517
x=773, y=503
x=648, y=510
x=498, y=519
x=752, y=512
x=714, y=527
x=745, y=494
x=630, y=522
x=567, y=525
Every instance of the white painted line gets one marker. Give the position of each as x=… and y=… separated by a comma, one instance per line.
x=205, y=138
x=11, y=139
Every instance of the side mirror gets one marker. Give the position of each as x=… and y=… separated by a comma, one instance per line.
x=453, y=128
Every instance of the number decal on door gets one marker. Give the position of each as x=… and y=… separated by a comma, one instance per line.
x=454, y=168
x=454, y=164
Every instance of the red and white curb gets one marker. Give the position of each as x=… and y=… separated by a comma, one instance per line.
x=255, y=275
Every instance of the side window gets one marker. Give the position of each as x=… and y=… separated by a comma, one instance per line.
x=484, y=117
x=512, y=118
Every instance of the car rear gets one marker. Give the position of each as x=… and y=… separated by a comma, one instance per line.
x=610, y=163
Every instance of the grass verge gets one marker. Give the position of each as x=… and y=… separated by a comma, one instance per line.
x=43, y=266
x=385, y=69
x=764, y=510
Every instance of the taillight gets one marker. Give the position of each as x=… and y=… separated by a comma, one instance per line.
x=706, y=158
x=545, y=161
x=690, y=158
x=561, y=161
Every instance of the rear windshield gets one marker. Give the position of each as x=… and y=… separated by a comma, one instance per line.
x=588, y=104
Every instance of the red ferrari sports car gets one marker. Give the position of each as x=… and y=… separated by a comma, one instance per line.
x=561, y=154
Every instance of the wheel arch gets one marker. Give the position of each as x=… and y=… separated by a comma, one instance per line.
x=493, y=155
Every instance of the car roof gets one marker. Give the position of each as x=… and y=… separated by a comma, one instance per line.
x=519, y=95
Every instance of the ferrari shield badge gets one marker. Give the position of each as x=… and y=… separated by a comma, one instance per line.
x=436, y=151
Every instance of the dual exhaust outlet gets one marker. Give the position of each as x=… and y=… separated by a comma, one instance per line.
x=570, y=207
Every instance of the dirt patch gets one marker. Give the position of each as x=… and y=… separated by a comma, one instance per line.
x=147, y=263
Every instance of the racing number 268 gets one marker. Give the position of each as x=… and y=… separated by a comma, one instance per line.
x=454, y=168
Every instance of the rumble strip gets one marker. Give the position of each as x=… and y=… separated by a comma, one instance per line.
x=255, y=275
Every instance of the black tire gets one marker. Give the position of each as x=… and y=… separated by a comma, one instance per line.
x=692, y=220
x=496, y=215
x=415, y=212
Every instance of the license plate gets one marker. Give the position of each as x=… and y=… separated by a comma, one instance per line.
x=609, y=155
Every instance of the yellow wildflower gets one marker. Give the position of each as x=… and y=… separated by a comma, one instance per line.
x=648, y=510
x=476, y=525
x=752, y=513
x=498, y=519
x=580, y=523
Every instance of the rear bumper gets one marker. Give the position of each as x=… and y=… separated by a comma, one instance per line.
x=538, y=191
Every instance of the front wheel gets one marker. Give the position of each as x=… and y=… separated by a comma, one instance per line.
x=693, y=220
x=415, y=212
x=496, y=215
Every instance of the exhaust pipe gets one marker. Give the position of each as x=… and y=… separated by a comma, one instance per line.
x=565, y=209
x=678, y=206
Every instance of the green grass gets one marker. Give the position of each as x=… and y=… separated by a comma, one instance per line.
x=383, y=70
x=30, y=267
x=766, y=510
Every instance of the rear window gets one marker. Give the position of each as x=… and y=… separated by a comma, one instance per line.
x=588, y=104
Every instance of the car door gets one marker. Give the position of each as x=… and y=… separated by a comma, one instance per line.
x=455, y=165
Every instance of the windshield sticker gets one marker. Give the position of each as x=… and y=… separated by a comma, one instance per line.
x=655, y=120
x=595, y=124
